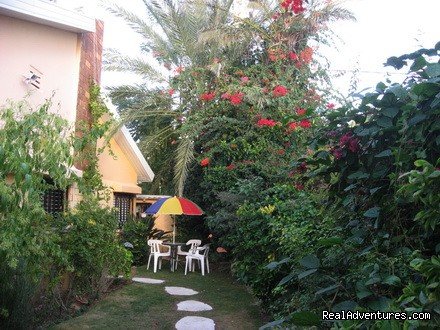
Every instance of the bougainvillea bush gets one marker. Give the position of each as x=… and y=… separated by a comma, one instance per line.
x=380, y=160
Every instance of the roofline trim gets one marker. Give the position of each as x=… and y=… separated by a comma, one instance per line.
x=47, y=13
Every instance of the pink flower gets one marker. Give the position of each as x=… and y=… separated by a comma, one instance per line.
x=306, y=55
x=293, y=56
x=244, y=80
x=345, y=139
x=225, y=96
x=279, y=90
x=273, y=57
x=330, y=106
x=205, y=162
x=305, y=123
x=292, y=126
x=276, y=16
x=207, y=96
x=179, y=69
x=170, y=92
x=353, y=145
x=299, y=186
x=300, y=111
x=337, y=153
x=297, y=6
x=266, y=122
x=236, y=98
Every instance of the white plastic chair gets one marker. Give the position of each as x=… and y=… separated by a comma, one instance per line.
x=156, y=253
x=194, y=243
x=201, y=255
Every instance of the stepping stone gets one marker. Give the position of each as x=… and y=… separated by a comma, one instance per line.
x=147, y=280
x=195, y=323
x=193, y=306
x=179, y=291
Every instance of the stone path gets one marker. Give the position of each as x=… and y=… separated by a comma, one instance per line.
x=187, y=322
x=179, y=291
x=147, y=280
x=193, y=306
x=195, y=323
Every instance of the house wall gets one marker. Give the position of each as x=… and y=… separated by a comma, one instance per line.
x=55, y=53
x=117, y=172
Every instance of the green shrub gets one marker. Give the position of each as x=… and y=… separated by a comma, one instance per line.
x=92, y=247
x=137, y=232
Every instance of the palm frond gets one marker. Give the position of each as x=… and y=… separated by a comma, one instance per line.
x=184, y=157
x=114, y=61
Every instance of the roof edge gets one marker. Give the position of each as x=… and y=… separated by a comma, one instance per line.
x=47, y=13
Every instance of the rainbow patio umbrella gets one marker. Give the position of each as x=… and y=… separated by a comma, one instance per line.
x=174, y=206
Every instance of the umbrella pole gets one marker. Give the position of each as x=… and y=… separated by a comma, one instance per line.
x=174, y=228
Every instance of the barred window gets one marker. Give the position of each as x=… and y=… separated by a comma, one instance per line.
x=53, y=201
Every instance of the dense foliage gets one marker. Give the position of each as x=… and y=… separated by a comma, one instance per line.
x=318, y=208
x=51, y=264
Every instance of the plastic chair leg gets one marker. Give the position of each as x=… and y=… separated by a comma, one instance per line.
x=149, y=259
x=207, y=265
x=155, y=263
x=202, y=263
x=186, y=265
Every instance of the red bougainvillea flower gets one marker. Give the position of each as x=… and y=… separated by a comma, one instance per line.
x=273, y=57
x=230, y=167
x=293, y=56
x=279, y=90
x=300, y=111
x=297, y=6
x=330, y=106
x=337, y=153
x=302, y=167
x=236, y=98
x=276, y=16
x=345, y=139
x=179, y=69
x=225, y=96
x=292, y=126
x=281, y=152
x=170, y=91
x=286, y=4
x=207, y=96
x=306, y=55
x=244, y=80
x=205, y=162
x=353, y=145
x=299, y=186
x=305, y=123
x=266, y=122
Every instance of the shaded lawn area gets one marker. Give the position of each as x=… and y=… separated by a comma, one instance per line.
x=148, y=306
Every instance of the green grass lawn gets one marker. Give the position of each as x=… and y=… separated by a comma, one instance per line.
x=148, y=306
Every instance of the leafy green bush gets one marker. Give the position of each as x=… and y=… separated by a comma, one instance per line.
x=92, y=247
x=383, y=253
x=137, y=232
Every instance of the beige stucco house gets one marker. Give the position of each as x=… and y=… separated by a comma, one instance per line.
x=47, y=51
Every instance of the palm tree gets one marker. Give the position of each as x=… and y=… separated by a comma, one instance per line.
x=178, y=34
x=192, y=33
